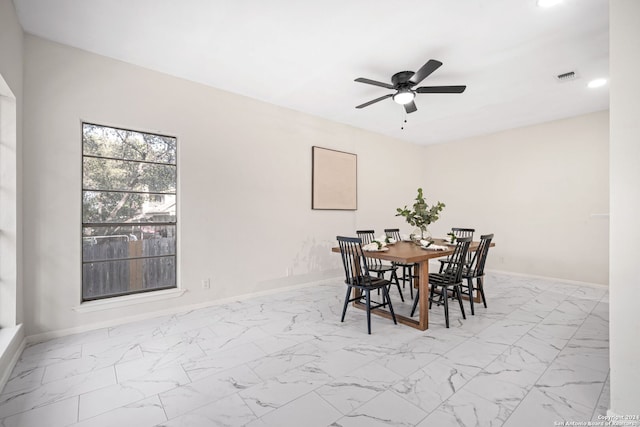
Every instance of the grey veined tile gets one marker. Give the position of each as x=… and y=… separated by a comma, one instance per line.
x=309, y=410
x=353, y=389
x=502, y=384
x=187, y=397
x=384, y=410
x=276, y=392
x=465, y=409
x=229, y=411
x=25, y=400
x=428, y=387
x=58, y=414
x=542, y=408
x=572, y=384
x=537, y=354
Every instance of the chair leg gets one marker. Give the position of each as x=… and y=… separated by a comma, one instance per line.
x=481, y=289
x=470, y=287
x=386, y=295
x=346, y=303
x=431, y=296
x=368, y=311
x=446, y=306
x=404, y=276
x=458, y=289
x=415, y=303
x=412, y=269
x=395, y=276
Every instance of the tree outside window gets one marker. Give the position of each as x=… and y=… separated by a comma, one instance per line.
x=129, y=221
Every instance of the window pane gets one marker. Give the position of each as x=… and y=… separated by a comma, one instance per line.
x=112, y=278
x=126, y=144
x=109, y=243
x=107, y=174
x=105, y=207
x=129, y=183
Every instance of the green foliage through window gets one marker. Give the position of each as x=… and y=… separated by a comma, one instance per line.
x=129, y=182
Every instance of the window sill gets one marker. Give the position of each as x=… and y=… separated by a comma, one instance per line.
x=126, y=300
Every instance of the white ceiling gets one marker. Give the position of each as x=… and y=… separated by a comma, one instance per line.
x=304, y=55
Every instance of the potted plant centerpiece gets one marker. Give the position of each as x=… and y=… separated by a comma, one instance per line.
x=421, y=216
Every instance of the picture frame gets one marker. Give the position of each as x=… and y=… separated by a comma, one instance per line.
x=334, y=182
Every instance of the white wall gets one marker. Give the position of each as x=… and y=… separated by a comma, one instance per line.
x=624, y=322
x=11, y=70
x=244, y=166
x=535, y=188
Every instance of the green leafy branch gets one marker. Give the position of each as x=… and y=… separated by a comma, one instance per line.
x=422, y=215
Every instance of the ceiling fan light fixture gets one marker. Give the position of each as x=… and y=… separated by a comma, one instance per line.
x=404, y=96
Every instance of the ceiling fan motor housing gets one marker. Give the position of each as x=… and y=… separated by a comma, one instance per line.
x=401, y=79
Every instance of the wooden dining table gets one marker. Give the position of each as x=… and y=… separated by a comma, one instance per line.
x=411, y=253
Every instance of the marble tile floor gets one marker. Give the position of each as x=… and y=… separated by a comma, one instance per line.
x=538, y=354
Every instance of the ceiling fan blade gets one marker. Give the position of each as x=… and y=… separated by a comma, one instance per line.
x=373, y=82
x=441, y=89
x=410, y=107
x=366, y=104
x=424, y=72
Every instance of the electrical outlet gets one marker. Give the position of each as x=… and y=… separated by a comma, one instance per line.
x=206, y=283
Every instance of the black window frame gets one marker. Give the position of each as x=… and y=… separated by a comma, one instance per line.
x=142, y=224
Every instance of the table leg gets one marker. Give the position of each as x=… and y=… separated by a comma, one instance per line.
x=423, y=287
x=421, y=283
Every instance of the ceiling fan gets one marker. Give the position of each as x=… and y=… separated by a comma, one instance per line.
x=403, y=83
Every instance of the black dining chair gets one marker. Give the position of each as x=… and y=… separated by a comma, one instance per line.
x=476, y=271
x=407, y=269
x=377, y=266
x=357, y=277
x=448, y=283
x=459, y=232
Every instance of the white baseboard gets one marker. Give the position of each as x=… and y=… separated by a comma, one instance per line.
x=45, y=336
x=36, y=338
x=12, y=342
x=555, y=279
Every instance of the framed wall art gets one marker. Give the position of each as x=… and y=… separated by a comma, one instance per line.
x=334, y=180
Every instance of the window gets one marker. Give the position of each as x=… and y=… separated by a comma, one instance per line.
x=129, y=221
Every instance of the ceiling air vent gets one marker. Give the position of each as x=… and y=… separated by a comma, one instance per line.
x=565, y=77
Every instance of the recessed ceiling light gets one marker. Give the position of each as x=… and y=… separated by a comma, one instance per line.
x=597, y=83
x=548, y=3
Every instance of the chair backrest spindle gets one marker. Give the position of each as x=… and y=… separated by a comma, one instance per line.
x=368, y=236
x=463, y=232
x=455, y=263
x=394, y=233
x=355, y=266
x=480, y=256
